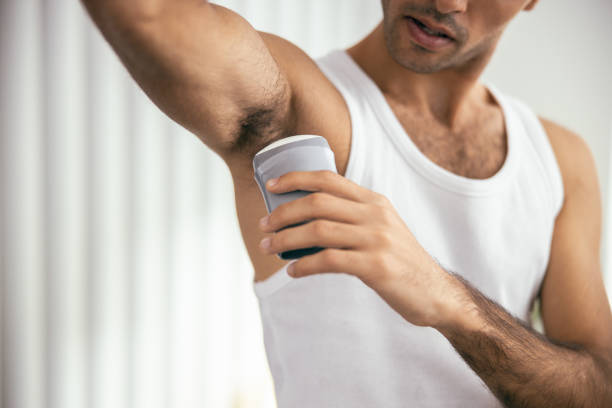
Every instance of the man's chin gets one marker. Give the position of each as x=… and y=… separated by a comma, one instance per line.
x=422, y=64
x=414, y=57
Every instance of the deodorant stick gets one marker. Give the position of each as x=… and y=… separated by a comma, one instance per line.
x=294, y=153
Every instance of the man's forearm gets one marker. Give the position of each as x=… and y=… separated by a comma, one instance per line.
x=522, y=367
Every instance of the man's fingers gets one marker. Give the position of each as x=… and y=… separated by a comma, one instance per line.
x=330, y=260
x=321, y=233
x=317, y=205
x=322, y=180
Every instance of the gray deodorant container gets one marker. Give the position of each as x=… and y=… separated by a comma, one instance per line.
x=294, y=153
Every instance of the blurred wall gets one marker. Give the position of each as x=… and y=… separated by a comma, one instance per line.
x=124, y=280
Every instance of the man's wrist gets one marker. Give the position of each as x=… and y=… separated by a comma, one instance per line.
x=458, y=310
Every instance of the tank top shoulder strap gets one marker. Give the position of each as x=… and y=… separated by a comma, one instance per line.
x=538, y=139
x=339, y=70
x=342, y=72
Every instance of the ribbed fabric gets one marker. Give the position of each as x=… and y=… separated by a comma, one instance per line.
x=331, y=341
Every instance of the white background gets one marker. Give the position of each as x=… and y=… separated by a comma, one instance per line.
x=125, y=282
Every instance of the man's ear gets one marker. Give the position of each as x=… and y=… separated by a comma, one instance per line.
x=530, y=5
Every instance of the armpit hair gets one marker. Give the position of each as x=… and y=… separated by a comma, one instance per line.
x=255, y=128
x=261, y=125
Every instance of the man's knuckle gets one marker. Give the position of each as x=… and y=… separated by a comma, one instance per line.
x=320, y=227
x=383, y=200
x=328, y=175
x=386, y=214
x=383, y=238
x=331, y=257
x=317, y=199
x=380, y=261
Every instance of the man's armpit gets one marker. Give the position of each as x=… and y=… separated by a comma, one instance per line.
x=258, y=126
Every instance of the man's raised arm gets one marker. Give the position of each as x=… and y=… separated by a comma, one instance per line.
x=203, y=65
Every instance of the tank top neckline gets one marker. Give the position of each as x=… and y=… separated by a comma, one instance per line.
x=417, y=159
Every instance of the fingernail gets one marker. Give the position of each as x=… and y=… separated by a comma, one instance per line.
x=290, y=270
x=272, y=182
x=264, y=221
x=265, y=243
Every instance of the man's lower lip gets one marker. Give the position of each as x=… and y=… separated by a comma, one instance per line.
x=431, y=42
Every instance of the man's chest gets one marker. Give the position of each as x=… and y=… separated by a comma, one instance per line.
x=475, y=150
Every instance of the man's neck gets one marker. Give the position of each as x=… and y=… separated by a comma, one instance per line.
x=446, y=95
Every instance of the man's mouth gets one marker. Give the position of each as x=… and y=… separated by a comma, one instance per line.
x=427, y=35
x=431, y=29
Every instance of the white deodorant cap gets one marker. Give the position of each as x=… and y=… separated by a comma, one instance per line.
x=286, y=140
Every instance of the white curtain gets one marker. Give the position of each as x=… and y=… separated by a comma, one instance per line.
x=125, y=282
x=124, y=279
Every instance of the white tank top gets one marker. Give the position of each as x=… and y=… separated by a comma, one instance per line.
x=331, y=341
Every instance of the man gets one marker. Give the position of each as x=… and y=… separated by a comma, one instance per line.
x=453, y=209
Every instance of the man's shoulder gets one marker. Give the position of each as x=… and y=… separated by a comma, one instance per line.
x=571, y=149
x=573, y=154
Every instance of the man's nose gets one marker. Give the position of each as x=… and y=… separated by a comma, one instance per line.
x=451, y=6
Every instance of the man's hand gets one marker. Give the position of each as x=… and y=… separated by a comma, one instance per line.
x=365, y=237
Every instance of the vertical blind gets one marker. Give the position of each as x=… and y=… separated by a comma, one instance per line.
x=124, y=278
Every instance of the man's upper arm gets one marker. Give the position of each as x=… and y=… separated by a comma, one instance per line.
x=575, y=308
x=203, y=65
